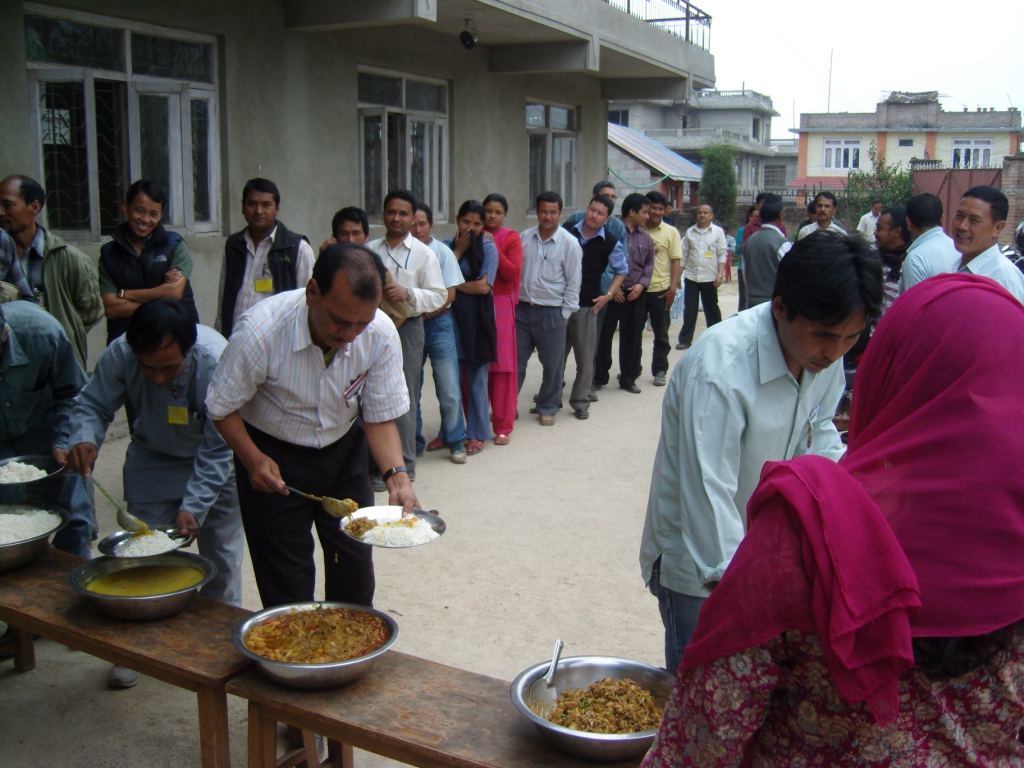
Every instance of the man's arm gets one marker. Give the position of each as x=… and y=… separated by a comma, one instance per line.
x=722, y=251
x=911, y=273
x=174, y=290
x=304, y=264
x=572, y=268
x=83, y=285
x=264, y=474
x=65, y=380
x=429, y=294
x=212, y=470
x=94, y=410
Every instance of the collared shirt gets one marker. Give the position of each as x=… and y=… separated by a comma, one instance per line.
x=867, y=225
x=703, y=252
x=730, y=406
x=641, y=258
x=39, y=375
x=994, y=265
x=617, y=258
x=176, y=452
x=552, y=270
x=256, y=269
x=668, y=247
x=30, y=265
x=414, y=267
x=931, y=253
x=275, y=376
x=813, y=227
x=614, y=225
x=450, y=271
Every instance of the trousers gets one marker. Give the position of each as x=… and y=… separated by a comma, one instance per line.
x=679, y=615
x=708, y=294
x=581, y=338
x=439, y=346
x=629, y=316
x=658, y=314
x=411, y=334
x=542, y=329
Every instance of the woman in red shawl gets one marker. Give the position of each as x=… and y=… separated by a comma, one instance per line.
x=874, y=613
x=503, y=381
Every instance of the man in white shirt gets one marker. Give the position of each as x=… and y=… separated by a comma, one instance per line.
x=825, y=206
x=297, y=374
x=979, y=219
x=704, y=257
x=419, y=284
x=869, y=221
x=761, y=386
x=931, y=250
x=263, y=259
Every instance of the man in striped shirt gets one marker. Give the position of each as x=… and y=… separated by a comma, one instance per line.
x=299, y=369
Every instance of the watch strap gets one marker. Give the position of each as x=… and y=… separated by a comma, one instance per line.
x=392, y=472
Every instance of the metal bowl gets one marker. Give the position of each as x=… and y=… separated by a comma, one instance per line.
x=140, y=608
x=311, y=676
x=43, y=461
x=579, y=672
x=108, y=544
x=23, y=552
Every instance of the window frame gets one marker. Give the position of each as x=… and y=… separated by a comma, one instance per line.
x=440, y=198
x=180, y=195
x=847, y=149
x=550, y=134
x=901, y=145
x=971, y=145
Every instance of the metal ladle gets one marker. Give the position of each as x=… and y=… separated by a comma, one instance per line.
x=126, y=520
x=549, y=678
x=333, y=507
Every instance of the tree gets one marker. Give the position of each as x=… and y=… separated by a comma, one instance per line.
x=718, y=183
x=887, y=182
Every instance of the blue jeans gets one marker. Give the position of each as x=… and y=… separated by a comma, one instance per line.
x=679, y=614
x=439, y=346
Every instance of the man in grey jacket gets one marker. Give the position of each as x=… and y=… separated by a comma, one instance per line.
x=762, y=252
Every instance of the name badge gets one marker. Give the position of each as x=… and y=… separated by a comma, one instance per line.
x=177, y=413
x=709, y=254
x=265, y=285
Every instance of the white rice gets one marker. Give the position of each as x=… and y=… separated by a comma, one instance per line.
x=21, y=524
x=19, y=472
x=397, y=535
x=153, y=543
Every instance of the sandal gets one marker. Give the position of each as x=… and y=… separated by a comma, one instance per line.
x=435, y=445
x=474, y=446
x=501, y=439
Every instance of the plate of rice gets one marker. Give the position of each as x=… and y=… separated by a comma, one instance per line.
x=20, y=470
x=385, y=527
x=156, y=542
x=21, y=523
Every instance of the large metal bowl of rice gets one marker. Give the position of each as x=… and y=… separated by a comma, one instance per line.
x=142, y=607
x=25, y=532
x=22, y=470
x=530, y=696
x=312, y=676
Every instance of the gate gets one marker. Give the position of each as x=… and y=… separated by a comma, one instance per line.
x=950, y=184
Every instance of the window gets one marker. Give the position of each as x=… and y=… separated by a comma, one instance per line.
x=619, y=117
x=111, y=104
x=842, y=153
x=774, y=176
x=972, y=153
x=904, y=142
x=552, y=144
x=755, y=130
x=755, y=167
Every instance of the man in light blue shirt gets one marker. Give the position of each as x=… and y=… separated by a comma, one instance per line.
x=932, y=251
x=761, y=386
x=979, y=219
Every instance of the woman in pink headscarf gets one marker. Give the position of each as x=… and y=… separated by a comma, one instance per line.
x=874, y=613
x=503, y=380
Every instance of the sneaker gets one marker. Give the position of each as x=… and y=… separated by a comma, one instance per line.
x=122, y=677
x=581, y=413
x=377, y=482
x=547, y=420
x=458, y=454
x=659, y=379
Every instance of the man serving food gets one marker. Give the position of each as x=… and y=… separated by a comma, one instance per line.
x=299, y=370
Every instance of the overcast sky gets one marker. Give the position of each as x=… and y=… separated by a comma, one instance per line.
x=971, y=53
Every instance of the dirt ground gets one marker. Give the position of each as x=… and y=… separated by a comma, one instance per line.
x=542, y=542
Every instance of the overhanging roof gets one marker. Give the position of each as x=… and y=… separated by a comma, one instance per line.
x=656, y=156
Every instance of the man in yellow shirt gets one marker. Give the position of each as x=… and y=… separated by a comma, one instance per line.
x=668, y=269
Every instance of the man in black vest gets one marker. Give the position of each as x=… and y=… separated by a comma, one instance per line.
x=762, y=252
x=263, y=259
x=600, y=250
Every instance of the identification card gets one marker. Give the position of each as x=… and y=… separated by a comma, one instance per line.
x=264, y=285
x=709, y=254
x=177, y=413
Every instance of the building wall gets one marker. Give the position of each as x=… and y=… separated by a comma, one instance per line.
x=739, y=121
x=816, y=152
x=644, y=116
x=288, y=112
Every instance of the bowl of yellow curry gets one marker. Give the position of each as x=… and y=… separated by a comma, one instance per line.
x=145, y=588
x=315, y=645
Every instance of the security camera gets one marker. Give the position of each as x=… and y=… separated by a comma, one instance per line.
x=468, y=36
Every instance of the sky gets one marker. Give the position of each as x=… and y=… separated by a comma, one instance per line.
x=968, y=52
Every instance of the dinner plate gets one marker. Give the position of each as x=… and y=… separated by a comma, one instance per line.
x=44, y=461
x=385, y=514
x=108, y=545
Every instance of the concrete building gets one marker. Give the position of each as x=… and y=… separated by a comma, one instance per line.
x=639, y=164
x=907, y=128
x=741, y=118
x=335, y=101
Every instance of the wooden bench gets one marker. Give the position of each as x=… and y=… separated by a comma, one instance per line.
x=191, y=650
x=405, y=708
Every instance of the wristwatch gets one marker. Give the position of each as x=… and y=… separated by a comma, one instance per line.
x=120, y=294
x=392, y=472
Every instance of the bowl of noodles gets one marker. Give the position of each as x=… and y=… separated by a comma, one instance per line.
x=315, y=645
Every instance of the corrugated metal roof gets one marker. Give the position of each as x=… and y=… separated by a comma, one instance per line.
x=654, y=155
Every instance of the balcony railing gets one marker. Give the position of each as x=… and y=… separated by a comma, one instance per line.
x=677, y=17
x=702, y=133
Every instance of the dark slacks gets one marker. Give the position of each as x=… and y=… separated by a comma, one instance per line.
x=660, y=318
x=708, y=294
x=542, y=329
x=630, y=317
x=278, y=528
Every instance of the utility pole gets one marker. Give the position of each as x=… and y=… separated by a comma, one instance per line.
x=829, y=107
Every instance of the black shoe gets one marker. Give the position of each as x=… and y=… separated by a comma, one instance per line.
x=680, y=345
x=534, y=410
x=633, y=388
x=598, y=387
x=581, y=413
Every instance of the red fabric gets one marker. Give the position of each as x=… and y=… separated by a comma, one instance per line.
x=503, y=389
x=503, y=376
x=510, y=262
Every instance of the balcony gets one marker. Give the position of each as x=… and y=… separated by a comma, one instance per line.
x=676, y=17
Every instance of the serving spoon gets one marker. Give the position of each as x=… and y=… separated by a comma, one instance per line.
x=126, y=520
x=333, y=507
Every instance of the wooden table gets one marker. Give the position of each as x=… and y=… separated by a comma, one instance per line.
x=408, y=709
x=191, y=650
